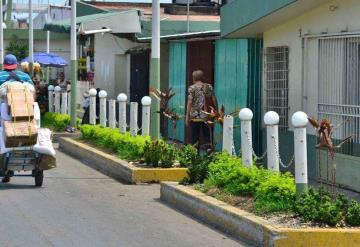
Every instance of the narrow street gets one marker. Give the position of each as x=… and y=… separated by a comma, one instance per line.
x=78, y=206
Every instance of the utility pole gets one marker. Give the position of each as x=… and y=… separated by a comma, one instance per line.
x=188, y=15
x=73, y=64
x=48, y=42
x=155, y=69
x=1, y=36
x=8, y=13
x=31, y=39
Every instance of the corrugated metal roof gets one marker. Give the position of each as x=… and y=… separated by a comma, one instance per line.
x=98, y=21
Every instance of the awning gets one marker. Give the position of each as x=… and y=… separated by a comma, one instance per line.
x=117, y=22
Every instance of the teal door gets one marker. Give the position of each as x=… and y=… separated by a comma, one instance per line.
x=231, y=80
x=238, y=66
x=177, y=82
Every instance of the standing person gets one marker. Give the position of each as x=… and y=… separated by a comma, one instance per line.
x=200, y=98
x=62, y=82
x=97, y=106
x=85, y=106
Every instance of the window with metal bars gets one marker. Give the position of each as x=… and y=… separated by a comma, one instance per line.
x=339, y=89
x=277, y=82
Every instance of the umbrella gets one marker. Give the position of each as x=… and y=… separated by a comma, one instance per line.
x=47, y=59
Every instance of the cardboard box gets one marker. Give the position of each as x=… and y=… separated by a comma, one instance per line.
x=21, y=102
x=19, y=134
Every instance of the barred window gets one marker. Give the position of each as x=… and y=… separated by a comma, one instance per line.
x=277, y=82
x=339, y=89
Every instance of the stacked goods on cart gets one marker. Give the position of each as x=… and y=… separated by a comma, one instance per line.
x=21, y=130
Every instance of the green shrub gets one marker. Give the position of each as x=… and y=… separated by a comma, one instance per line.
x=353, y=214
x=318, y=206
x=168, y=156
x=127, y=146
x=159, y=153
x=222, y=169
x=307, y=205
x=198, y=169
x=56, y=121
x=275, y=193
x=187, y=154
x=152, y=153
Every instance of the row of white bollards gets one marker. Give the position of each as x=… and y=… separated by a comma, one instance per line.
x=271, y=120
x=58, y=101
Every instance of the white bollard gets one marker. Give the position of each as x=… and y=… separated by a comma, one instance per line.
x=300, y=120
x=102, y=96
x=68, y=103
x=57, y=91
x=122, y=98
x=64, y=103
x=51, y=98
x=228, y=134
x=133, y=118
x=146, y=103
x=246, y=116
x=271, y=120
x=112, y=114
x=92, y=109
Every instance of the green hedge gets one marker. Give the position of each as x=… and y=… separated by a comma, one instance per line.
x=56, y=121
x=127, y=146
x=273, y=192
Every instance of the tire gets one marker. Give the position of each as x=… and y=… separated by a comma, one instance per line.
x=39, y=177
x=5, y=179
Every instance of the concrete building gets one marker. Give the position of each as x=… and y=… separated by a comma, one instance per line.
x=311, y=63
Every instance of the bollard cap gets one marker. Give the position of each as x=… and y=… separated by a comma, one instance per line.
x=146, y=101
x=92, y=92
x=246, y=114
x=271, y=118
x=102, y=94
x=57, y=89
x=122, y=97
x=51, y=88
x=299, y=119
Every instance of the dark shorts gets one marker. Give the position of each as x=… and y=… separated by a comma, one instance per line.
x=198, y=129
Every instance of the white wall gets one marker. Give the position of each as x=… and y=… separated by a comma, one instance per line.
x=60, y=47
x=56, y=14
x=107, y=48
x=345, y=17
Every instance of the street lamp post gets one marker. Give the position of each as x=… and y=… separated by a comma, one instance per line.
x=48, y=42
x=73, y=63
x=155, y=69
x=31, y=39
x=1, y=36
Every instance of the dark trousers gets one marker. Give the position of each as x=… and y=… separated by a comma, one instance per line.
x=198, y=128
x=86, y=117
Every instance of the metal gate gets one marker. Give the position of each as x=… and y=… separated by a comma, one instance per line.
x=339, y=88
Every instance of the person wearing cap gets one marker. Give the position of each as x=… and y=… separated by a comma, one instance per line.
x=10, y=72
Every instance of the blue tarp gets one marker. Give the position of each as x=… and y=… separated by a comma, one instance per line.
x=47, y=59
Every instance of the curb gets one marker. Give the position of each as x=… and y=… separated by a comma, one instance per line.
x=118, y=168
x=246, y=226
x=57, y=135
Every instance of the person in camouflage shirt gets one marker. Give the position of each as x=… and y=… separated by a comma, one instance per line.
x=200, y=95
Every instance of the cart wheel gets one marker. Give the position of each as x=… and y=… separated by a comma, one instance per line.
x=5, y=179
x=39, y=177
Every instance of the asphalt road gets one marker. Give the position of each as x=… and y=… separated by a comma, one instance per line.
x=78, y=206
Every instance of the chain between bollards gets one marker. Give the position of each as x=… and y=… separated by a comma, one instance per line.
x=278, y=155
